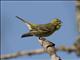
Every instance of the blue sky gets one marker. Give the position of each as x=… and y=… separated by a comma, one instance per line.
x=37, y=12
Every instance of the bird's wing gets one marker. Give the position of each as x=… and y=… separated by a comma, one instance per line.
x=43, y=27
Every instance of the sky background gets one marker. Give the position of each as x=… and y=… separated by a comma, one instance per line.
x=37, y=12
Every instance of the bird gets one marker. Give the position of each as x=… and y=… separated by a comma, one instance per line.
x=41, y=30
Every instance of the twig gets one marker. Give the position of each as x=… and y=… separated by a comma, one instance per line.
x=48, y=47
x=22, y=53
x=78, y=14
x=66, y=49
x=34, y=52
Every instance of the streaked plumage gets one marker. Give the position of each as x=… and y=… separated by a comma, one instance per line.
x=41, y=30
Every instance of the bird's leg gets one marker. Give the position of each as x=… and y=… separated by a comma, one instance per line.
x=39, y=37
x=42, y=38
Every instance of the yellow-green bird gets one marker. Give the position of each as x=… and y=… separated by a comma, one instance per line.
x=41, y=30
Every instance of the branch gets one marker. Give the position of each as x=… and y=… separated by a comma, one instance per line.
x=46, y=45
x=34, y=52
x=49, y=47
x=22, y=53
x=66, y=49
x=78, y=14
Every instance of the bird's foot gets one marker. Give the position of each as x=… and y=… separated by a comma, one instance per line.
x=42, y=38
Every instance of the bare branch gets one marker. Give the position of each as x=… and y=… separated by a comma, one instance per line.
x=66, y=49
x=34, y=52
x=78, y=14
x=49, y=47
x=22, y=53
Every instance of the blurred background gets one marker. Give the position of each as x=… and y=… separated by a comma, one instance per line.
x=38, y=12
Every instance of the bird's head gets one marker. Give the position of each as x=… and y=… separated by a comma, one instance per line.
x=57, y=23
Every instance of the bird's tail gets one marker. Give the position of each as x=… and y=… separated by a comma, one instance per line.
x=27, y=35
x=29, y=25
x=23, y=20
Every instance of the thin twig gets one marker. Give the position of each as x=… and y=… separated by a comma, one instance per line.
x=48, y=47
x=22, y=53
x=34, y=52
